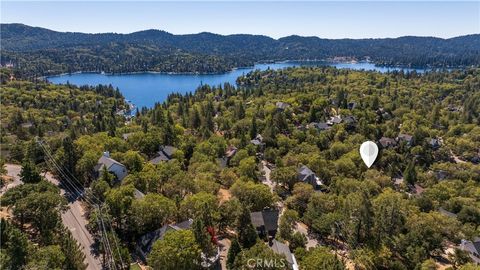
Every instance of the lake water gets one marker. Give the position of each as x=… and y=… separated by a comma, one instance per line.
x=145, y=89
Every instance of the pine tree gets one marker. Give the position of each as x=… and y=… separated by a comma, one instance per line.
x=253, y=127
x=233, y=252
x=247, y=235
x=410, y=175
x=29, y=173
x=73, y=254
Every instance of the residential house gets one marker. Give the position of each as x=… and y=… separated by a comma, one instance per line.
x=145, y=243
x=319, y=126
x=265, y=222
x=27, y=124
x=126, y=135
x=385, y=115
x=441, y=174
x=282, y=249
x=258, y=141
x=435, y=143
x=334, y=120
x=398, y=182
x=350, y=121
x=352, y=105
x=472, y=248
x=229, y=153
x=387, y=142
x=113, y=166
x=408, y=139
x=306, y=175
x=447, y=213
x=138, y=194
x=282, y=105
x=164, y=154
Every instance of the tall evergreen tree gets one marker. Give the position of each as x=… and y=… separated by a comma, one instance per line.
x=247, y=235
x=410, y=174
x=233, y=252
x=253, y=127
x=29, y=173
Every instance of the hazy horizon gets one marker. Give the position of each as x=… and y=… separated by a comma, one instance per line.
x=329, y=20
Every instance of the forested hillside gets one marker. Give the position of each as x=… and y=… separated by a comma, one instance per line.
x=40, y=51
x=283, y=143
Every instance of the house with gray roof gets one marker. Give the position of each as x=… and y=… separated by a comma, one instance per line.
x=386, y=142
x=145, y=243
x=282, y=249
x=306, y=175
x=282, y=105
x=321, y=126
x=434, y=143
x=265, y=222
x=406, y=138
x=165, y=153
x=334, y=120
x=352, y=105
x=113, y=166
x=126, y=135
x=258, y=141
x=472, y=248
x=138, y=194
x=447, y=213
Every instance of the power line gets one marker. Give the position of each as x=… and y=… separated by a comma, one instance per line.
x=79, y=192
x=85, y=197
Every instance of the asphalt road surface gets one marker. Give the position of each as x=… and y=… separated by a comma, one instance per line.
x=73, y=218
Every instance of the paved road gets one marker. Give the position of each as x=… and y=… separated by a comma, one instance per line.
x=13, y=171
x=73, y=218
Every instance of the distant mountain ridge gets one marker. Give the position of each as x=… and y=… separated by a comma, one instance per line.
x=212, y=52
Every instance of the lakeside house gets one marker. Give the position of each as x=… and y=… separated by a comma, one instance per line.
x=165, y=153
x=282, y=249
x=472, y=248
x=145, y=243
x=265, y=222
x=113, y=166
x=306, y=175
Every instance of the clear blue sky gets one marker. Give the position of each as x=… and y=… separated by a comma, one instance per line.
x=359, y=19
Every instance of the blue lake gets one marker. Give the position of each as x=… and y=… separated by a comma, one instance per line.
x=145, y=89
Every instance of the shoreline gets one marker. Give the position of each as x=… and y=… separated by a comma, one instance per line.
x=265, y=62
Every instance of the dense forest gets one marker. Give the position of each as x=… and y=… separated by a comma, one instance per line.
x=38, y=51
x=215, y=158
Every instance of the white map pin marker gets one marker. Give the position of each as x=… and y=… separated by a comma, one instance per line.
x=368, y=152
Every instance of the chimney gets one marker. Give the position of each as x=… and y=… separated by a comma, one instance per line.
x=106, y=154
x=270, y=240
